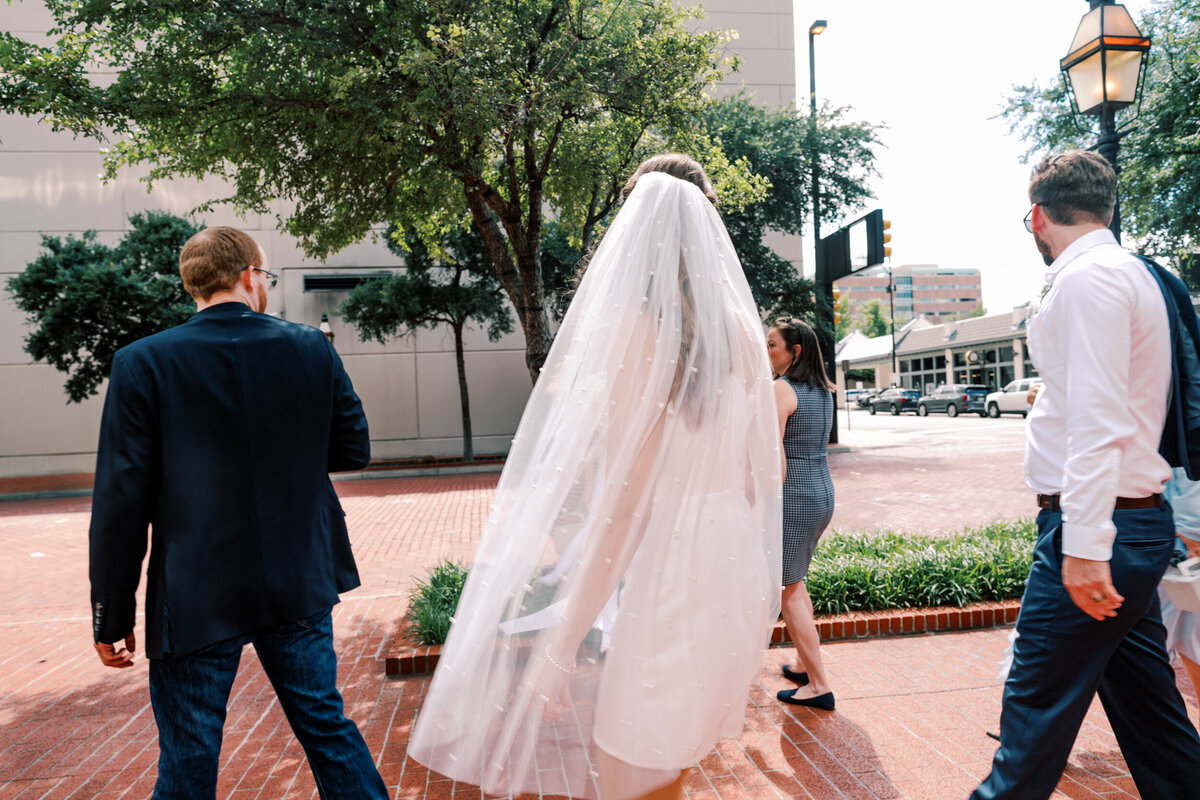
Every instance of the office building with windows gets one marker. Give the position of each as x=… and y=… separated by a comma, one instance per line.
x=921, y=290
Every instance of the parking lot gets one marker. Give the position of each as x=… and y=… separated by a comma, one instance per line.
x=862, y=429
x=930, y=474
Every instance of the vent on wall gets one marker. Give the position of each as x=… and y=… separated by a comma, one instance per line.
x=339, y=283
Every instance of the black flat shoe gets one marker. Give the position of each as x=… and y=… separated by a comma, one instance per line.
x=821, y=701
x=801, y=678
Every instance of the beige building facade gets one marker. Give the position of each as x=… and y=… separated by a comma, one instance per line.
x=983, y=350
x=49, y=184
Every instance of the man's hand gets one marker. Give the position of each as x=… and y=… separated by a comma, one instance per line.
x=1193, y=546
x=117, y=659
x=1090, y=585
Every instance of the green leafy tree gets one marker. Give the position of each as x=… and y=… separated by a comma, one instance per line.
x=1160, y=156
x=977, y=311
x=455, y=286
x=845, y=325
x=560, y=266
x=875, y=321
x=413, y=113
x=866, y=375
x=86, y=300
x=778, y=145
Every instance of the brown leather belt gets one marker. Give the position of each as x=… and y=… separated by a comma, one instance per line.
x=1050, y=501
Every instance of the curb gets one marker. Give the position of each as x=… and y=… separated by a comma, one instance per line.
x=48, y=487
x=402, y=660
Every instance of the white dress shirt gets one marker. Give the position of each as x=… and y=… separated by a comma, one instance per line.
x=1101, y=343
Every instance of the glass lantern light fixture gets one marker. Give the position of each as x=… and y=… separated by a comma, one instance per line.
x=1106, y=61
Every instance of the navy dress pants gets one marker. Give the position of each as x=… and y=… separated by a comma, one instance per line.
x=189, y=694
x=1063, y=657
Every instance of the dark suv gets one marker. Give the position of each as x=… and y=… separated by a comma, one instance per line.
x=895, y=401
x=954, y=399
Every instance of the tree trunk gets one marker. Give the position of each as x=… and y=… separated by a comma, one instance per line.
x=521, y=277
x=464, y=399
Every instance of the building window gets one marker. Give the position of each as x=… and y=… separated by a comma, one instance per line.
x=921, y=375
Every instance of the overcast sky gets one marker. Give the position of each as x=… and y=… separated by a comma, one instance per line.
x=935, y=72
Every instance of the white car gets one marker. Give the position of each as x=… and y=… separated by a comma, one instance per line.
x=1010, y=399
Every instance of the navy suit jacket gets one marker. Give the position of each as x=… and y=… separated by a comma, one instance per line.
x=219, y=436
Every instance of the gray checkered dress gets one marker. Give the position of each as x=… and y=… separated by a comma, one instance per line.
x=808, y=488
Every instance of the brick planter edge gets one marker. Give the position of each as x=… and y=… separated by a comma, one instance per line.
x=402, y=659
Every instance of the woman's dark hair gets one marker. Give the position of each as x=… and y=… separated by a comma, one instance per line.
x=677, y=165
x=808, y=367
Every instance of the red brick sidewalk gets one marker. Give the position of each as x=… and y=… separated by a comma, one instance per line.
x=912, y=711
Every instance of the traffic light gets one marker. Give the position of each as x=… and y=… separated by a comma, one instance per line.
x=853, y=247
x=837, y=306
x=878, y=237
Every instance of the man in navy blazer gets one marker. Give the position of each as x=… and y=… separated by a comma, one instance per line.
x=219, y=436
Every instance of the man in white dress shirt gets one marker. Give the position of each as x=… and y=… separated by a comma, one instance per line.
x=1090, y=619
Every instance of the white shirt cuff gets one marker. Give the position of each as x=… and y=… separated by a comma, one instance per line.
x=1092, y=543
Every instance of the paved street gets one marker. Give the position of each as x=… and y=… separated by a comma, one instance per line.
x=912, y=711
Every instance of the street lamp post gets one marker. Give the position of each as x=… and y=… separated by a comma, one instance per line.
x=814, y=30
x=824, y=286
x=1103, y=71
x=892, y=321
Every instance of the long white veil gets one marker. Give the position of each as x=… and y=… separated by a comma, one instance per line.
x=629, y=572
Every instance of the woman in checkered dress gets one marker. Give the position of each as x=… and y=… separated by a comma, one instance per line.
x=804, y=397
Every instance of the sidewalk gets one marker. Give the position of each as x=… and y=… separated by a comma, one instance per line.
x=912, y=711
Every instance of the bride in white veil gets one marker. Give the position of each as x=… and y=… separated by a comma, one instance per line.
x=628, y=575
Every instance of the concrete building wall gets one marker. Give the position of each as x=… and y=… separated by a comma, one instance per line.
x=49, y=184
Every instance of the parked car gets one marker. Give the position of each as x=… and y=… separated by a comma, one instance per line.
x=1010, y=399
x=954, y=399
x=894, y=401
x=864, y=399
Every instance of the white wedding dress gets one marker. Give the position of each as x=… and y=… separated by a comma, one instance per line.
x=635, y=537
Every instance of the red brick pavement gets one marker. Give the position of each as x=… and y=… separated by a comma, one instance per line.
x=912, y=711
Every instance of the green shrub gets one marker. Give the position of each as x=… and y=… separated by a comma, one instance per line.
x=433, y=601
x=849, y=572
x=871, y=572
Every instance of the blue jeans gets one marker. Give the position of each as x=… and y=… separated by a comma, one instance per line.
x=189, y=694
x=1063, y=657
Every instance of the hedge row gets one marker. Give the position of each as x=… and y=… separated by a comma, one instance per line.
x=849, y=572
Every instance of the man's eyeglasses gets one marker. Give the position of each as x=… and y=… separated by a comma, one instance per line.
x=1029, y=216
x=274, y=279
